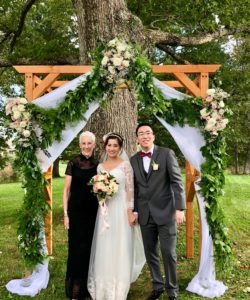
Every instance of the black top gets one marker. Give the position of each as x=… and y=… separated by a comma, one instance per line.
x=81, y=200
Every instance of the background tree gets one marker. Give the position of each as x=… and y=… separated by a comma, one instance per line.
x=65, y=32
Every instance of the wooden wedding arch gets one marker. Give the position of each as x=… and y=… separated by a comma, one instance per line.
x=194, y=79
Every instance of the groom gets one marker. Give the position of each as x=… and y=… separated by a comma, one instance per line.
x=159, y=201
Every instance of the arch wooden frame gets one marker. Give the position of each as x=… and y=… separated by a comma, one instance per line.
x=43, y=79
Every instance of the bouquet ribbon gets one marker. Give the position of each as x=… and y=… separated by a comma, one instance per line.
x=104, y=213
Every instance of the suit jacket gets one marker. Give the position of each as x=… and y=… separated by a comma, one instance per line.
x=160, y=192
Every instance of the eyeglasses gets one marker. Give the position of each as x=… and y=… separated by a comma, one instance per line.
x=146, y=133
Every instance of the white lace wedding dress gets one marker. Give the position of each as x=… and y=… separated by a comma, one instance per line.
x=117, y=254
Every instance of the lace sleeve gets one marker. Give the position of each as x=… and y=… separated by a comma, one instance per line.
x=129, y=184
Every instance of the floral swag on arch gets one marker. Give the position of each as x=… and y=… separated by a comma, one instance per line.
x=35, y=129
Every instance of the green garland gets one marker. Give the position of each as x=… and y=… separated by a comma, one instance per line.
x=117, y=62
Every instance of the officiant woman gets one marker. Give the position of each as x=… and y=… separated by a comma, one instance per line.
x=80, y=208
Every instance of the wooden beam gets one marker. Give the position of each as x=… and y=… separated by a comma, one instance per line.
x=188, y=84
x=80, y=69
x=45, y=84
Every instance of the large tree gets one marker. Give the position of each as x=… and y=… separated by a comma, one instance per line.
x=45, y=32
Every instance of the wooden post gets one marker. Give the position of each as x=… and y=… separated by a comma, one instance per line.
x=191, y=176
x=48, y=219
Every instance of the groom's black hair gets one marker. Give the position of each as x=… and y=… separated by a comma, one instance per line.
x=142, y=124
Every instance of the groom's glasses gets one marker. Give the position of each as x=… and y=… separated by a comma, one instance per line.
x=146, y=133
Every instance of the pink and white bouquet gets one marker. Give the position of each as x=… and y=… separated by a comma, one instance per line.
x=117, y=58
x=104, y=185
x=215, y=111
x=20, y=118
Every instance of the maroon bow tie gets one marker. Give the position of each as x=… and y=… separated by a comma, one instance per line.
x=148, y=154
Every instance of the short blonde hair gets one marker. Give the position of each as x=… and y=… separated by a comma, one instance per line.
x=88, y=134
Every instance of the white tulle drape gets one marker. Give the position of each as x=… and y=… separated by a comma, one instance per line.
x=189, y=141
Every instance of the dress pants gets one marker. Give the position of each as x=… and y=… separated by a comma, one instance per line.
x=151, y=233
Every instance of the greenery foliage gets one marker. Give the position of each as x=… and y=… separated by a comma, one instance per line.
x=99, y=86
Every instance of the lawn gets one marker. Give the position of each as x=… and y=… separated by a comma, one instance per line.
x=236, y=206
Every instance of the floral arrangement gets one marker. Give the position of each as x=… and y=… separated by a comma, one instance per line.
x=114, y=63
x=214, y=111
x=104, y=185
x=16, y=109
x=117, y=59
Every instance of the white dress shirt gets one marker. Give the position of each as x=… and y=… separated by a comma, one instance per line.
x=146, y=160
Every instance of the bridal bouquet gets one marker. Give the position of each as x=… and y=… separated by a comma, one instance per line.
x=104, y=185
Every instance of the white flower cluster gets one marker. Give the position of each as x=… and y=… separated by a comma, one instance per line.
x=20, y=117
x=214, y=111
x=116, y=60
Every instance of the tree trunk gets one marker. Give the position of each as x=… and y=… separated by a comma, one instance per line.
x=236, y=162
x=56, y=172
x=101, y=21
x=120, y=116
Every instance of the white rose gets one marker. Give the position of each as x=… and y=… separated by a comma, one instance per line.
x=17, y=114
x=210, y=124
x=23, y=100
x=111, y=70
x=117, y=61
x=221, y=104
x=121, y=47
x=104, y=61
x=224, y=121
x=23, y=124
x=26, y=133
x=15, y=108
x=214, y=114
x=125, y=63
x=21, y=107
x=26, y=115
x=112, y=42
x=127, y=55
x=211, y=92
x=204, y=112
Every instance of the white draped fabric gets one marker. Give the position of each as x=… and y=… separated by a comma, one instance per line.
x=189, y=141
x=37, y=281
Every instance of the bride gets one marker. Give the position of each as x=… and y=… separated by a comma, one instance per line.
x=117, y=254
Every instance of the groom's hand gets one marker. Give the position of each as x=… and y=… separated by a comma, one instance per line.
x=131, y=218
x=180, y=217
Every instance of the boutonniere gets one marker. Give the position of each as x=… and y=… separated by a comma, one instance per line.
x=155, y=166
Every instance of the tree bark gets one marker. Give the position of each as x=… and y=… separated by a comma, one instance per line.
x=101, y=21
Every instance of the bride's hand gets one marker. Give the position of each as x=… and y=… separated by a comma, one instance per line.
x=131, y=217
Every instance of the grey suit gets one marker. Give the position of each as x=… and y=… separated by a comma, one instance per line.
x=158, y=195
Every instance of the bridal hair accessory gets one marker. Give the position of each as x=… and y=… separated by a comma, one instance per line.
x=112, y=134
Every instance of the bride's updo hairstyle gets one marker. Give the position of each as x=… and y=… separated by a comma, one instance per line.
x=113, y=136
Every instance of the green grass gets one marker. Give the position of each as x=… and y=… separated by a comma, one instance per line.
x=236, y=206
